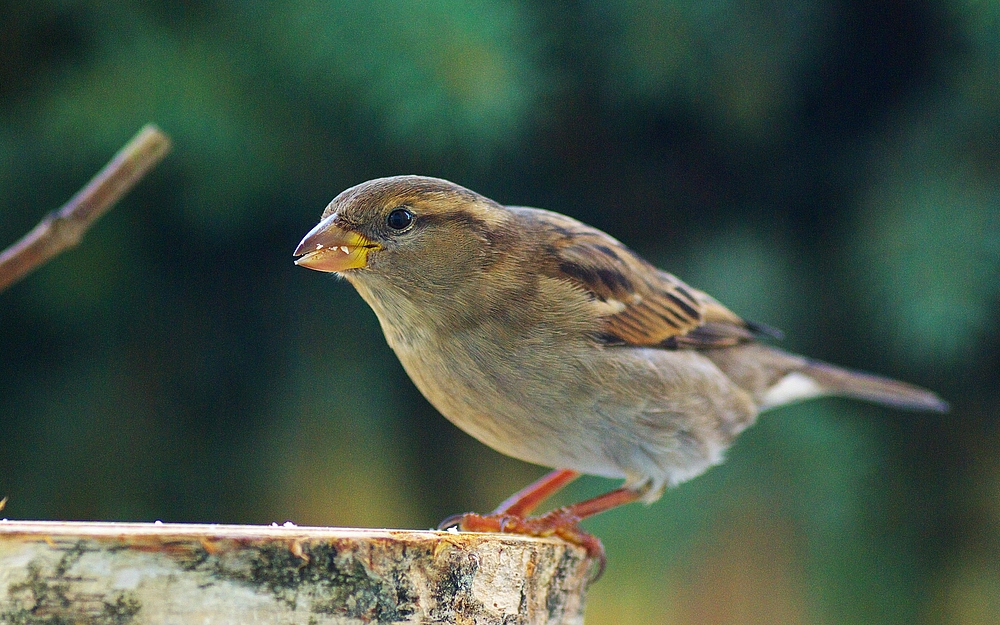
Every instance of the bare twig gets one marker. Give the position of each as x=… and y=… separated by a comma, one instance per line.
x=63, y=228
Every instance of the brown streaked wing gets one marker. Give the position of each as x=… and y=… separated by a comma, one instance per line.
x=641, y=305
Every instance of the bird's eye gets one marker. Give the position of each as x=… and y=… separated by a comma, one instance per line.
x=399, y=219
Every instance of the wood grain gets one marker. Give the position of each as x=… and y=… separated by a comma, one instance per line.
x=121, y=573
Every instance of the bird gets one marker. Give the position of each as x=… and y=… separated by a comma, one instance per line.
x=552, y=342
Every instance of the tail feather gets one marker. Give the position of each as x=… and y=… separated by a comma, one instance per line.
x=775, y=378
x=860, y=385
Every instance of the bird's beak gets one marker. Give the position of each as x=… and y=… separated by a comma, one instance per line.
x=328, y=247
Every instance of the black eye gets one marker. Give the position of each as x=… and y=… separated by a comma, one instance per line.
x=399, y=219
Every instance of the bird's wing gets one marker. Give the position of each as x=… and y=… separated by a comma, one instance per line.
x=637, y=303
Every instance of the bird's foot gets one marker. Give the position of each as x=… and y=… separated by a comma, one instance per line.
x=560, y=522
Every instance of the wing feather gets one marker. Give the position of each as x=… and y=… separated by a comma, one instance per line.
x=649, y=307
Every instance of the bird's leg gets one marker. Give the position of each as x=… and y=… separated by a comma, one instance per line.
x=562, y=522
x=599, y=504
x=524, y=501
x=517, y=506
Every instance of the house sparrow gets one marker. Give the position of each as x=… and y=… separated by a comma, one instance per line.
x=552, y=342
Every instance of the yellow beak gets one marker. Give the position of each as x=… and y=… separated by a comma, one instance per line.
x=328, y=247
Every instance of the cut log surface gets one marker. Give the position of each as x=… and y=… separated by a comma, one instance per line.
x=144, y=573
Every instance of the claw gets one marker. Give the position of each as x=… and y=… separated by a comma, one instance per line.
x=512, y=515
x=472, y=522
x=454, y=520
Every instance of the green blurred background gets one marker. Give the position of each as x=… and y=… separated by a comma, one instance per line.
x=829, y=168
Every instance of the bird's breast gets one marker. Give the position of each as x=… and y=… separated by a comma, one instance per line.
x=526, y=390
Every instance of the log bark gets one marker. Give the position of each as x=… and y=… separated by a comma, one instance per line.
x=125, y=573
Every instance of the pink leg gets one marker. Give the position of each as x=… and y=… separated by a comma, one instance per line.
x=518, y=505
x=562, y=522
x=528, y=498
x=599, y=504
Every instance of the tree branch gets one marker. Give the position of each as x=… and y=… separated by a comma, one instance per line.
x=63, y=228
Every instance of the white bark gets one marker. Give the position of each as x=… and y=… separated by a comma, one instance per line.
x=125, y=573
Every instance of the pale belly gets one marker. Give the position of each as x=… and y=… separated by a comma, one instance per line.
x=639, y=414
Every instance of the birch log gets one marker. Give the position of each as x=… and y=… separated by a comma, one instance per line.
x=141, y=573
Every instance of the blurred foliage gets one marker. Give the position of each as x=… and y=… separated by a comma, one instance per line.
x=831, y=168
x=704, y=56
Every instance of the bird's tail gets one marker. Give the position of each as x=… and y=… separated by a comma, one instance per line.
x=777, y=378
x=843, y=382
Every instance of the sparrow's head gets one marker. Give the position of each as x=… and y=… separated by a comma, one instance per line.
x=415, y=233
